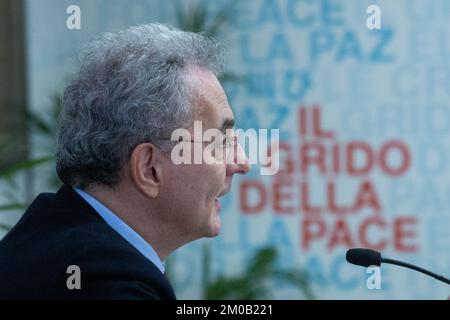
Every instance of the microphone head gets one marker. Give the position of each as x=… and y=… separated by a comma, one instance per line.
x=363, y=257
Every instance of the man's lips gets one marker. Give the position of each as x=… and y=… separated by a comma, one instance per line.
x=224, y=192
x=221, y=194
x=217, y=201
x=217, y=204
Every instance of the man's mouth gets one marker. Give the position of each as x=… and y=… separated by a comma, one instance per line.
x=217, y=201
x=217, y=204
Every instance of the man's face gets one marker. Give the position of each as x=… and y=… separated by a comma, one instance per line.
x=193, y=190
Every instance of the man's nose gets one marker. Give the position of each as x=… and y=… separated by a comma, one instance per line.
x=240, y=164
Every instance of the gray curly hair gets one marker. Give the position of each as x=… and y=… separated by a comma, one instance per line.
x=131, y=88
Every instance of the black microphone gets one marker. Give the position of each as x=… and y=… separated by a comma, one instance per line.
x=367, y=257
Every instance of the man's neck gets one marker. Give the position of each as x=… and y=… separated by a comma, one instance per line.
x=140, y=216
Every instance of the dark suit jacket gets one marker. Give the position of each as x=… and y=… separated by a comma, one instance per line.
x=60, y=230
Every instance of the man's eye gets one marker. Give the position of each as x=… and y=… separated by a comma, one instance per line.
x=229, y=141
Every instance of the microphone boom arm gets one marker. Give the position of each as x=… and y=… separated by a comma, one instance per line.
x=410, y=266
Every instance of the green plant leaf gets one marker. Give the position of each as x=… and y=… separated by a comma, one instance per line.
x=24, y=165
x=199, y=18
x=12, y=195
x=232, y=288
x=180, y=16
x=262, y=263
x=4, y=227
x=219, y=289
x=299, y=279
x=195, y=17
x=224, y=16
x=252, y=284
x=13, y=206
x=37, y=122
x=10, y=182
x=206, y=267
x=188, y=18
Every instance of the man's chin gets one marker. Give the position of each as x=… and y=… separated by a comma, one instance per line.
x=214, y=230
x=214, y=233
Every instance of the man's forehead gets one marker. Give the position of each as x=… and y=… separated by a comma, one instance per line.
x=205, y=84
x=211, y=102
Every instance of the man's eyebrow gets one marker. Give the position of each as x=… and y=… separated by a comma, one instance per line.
x=227, y=124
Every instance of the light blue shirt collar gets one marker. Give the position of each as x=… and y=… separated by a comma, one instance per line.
x=123, y=229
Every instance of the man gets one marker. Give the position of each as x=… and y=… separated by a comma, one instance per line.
x=125, y=206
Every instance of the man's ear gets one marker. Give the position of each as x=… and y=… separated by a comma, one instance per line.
x=146, y=169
